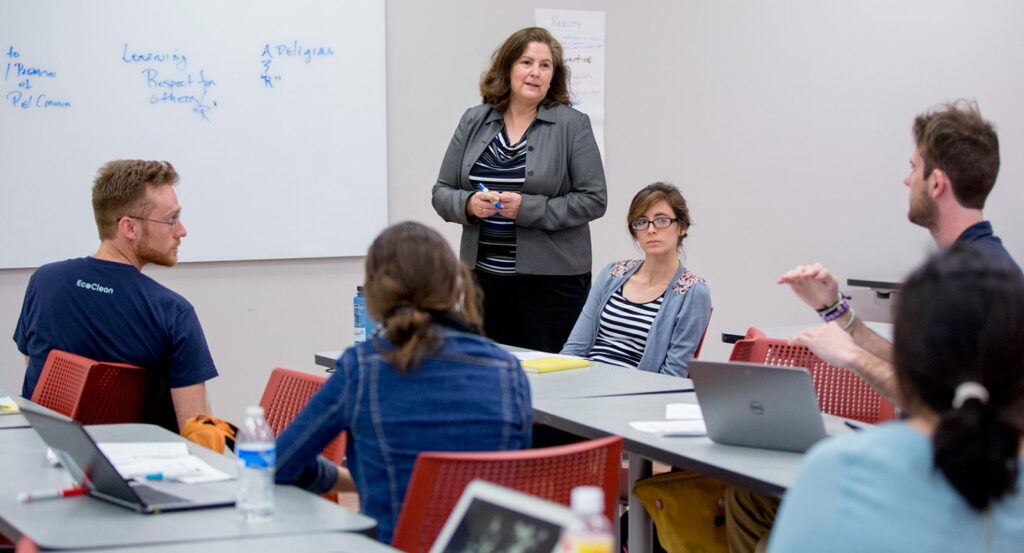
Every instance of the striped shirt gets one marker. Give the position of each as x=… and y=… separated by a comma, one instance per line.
x=501, y=168
x=622, y=330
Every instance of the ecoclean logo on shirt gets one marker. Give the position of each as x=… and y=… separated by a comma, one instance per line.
x=94, y=287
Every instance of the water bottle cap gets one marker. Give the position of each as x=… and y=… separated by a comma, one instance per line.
x=254, y=411
x=359, y=289
x=587, y=500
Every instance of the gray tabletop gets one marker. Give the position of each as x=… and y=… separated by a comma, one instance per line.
x=87, y=522
x=318, y=542
x=594, y=381
x=760, y=470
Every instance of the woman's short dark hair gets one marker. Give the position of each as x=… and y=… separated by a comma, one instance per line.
x=652, y=194
x=960, y=318
x=495, y=86
x=411, y=272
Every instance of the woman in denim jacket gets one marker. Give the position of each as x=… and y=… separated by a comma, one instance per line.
x=426, y=381
x=649, y=313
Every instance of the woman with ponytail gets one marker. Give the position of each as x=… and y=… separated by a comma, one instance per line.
x=426, y=382
x=946, y=478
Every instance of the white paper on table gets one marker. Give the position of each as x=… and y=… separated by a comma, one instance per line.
x=683, y=411
x=684, y=427
x=8, y=406
x=531, y=355
x=123, y=452
x=188, y=469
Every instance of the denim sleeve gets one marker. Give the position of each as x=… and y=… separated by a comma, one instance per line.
x=581, y=339
x=323, y=418
x=690, y=324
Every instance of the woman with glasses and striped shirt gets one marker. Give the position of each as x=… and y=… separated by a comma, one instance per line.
x=650, y=313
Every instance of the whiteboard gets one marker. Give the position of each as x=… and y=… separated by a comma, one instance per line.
x=273, y=113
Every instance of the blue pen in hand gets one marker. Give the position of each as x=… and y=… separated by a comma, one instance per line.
x=480, y=186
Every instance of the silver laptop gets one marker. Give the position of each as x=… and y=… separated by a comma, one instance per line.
x=489, y=517
x=90, y=468
x=758, y=405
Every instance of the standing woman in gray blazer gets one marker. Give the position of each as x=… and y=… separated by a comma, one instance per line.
x=523, y=177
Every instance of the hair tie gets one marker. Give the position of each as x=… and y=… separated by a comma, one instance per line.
x=969, y=390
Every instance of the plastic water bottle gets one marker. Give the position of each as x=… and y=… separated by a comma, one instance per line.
x=257, y=457
x=363, y=325
x=592, y=533
x=359, y=315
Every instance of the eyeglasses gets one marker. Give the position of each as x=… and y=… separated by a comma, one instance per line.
x=659, y=223
x=174, y=220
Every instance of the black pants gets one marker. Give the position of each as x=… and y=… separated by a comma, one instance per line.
x=532, y=311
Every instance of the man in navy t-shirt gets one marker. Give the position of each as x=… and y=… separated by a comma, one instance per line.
x=103, y=307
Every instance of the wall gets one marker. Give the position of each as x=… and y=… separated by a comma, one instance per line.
x=786, y=124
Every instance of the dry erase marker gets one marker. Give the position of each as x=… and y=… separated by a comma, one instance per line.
x=480, y=186
x=25, y=497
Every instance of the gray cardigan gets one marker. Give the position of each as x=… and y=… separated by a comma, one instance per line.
x=677, y=328
x=564, y=189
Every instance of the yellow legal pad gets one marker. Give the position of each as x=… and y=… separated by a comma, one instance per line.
x=553, y=363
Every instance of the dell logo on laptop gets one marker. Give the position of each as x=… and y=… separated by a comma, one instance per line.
x=756, y=407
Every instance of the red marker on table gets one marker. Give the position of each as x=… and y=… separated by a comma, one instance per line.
x=26, y=497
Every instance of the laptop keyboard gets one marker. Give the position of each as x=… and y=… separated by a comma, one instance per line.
x=151, y=496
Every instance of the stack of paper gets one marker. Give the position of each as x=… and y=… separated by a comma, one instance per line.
x=160, y=461
x=681, y=419
x=7, y=406
x=537, y=362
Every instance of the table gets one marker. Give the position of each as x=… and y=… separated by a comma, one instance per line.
x=597, y=380
x=318, y=542
x=731, y=337
x=760, y=470
x=87, y=522
x=882, y=287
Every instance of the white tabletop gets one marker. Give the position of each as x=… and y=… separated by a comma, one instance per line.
x=13, y=420
x=319, y=542
x=87, y=522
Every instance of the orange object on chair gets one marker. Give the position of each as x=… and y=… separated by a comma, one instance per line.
x=287, y=392
x=438, y=479
x=840, y=392
x=92, y=392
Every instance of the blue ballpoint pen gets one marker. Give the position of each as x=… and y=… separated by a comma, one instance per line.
x=480, y=186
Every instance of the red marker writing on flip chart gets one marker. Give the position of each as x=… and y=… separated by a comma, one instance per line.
x=25, y=497
x=480, y=186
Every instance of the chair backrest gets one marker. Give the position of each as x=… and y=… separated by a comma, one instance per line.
x=840, y=392
x=700, y=344
x=287, y=392
x=438, y=479
x=92, y=392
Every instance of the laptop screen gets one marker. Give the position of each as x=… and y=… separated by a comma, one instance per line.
x=80, y=454
x=492, y=518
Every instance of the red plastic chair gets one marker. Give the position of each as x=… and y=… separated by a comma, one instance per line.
x=700, y=345
x=93, y=392
x=840, y=392
x=438, y=479
x=26, y=545
x=287, y=392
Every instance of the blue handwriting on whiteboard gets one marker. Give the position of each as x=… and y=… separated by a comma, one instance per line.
x=19, y=99
x=179, y=60
x=296, y=51
x=172, y=95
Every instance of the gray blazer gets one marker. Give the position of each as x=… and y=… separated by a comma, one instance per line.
x=564, y=189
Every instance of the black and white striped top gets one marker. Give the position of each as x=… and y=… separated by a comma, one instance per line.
x=622, y=330
x=501, y=168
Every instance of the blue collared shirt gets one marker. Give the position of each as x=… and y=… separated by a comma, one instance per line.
x=981, y=235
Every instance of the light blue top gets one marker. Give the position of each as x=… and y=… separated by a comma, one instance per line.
x=878, y=491
x=676, y=331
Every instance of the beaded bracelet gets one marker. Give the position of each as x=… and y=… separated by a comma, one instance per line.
x=836, y=310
